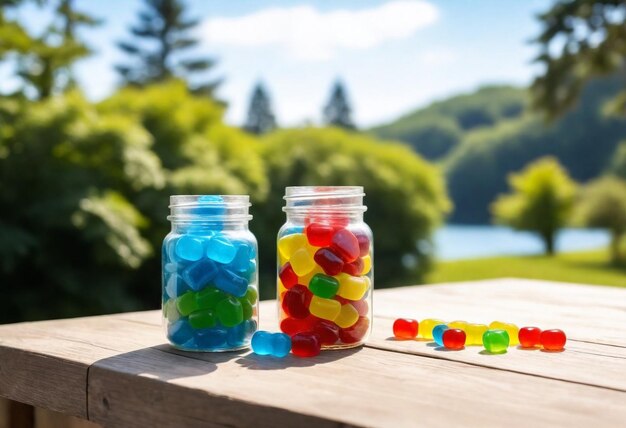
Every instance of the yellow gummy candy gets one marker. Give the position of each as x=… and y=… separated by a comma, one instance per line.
x=348, y=316
x=367, y=265
x=461, y=325
x=304, y=280
x=474, y=334
x=510, y=328
x=281, y=287
x=302, y=262
x=287, y=245
x=352, y=287
x=426, y=327
x=327, y=309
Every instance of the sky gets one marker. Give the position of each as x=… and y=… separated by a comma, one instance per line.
x=394, y=56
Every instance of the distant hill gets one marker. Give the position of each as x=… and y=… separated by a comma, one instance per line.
x=435, y=130
x=482, y=137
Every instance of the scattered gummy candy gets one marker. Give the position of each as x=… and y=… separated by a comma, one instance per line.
x=553, y=340
x=454, y=338
x=405, y=328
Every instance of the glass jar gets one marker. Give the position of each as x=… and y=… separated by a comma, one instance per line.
x=209, y=274
x=325, y=266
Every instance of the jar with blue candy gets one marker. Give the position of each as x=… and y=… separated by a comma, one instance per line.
x=325, y=269
x=209, y=274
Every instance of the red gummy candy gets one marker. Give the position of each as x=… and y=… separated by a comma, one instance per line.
x=287, y=276
x=329, y=261
x=529, y=337
x=361, y=306
x=454, y=338
x=319, y=234
x=327, y=331
x=404, y=328
x=553, y=340
x=305, y=344
x=345, y=244
x=355, y=268
x=292, y=326
x=295, y=302
x=355, y=333
x=364, y=243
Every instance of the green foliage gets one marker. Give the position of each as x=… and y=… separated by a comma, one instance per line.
x=164, y=24
x=618, y=163
x=580, y=39
x=541, y=200
x=436, y=130
x=337, y=111
x=404, y=193
x=260, y=118
x=603, y=205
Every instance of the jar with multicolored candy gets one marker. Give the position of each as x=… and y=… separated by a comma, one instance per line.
x=209, y=275
x=325, y=267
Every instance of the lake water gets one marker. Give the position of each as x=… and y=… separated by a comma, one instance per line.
x=454, y=242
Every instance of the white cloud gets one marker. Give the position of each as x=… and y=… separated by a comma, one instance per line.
x=437, y=57
x=308, y=34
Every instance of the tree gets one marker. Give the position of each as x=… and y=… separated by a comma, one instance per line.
x=164, y=23
x=603, y=205
x=580, y=39
x=541, y=201
x=260, y=116
x=338, y=111
x=618, y=163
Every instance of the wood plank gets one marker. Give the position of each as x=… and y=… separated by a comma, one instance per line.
x=48, y=419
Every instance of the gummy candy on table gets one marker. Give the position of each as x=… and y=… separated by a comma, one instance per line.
x=187, y=303
x=427, y=325
x=553, y=340
x=354, y=268
x=209, y=298
x=404, y=328
x=327, y=309
x=211, y=338
x=287, y=245
x=229, y=312
x=511, y=329
x=203, y=318
x=327, y=331
x=367, y=264
x=319, y=234
x=352, y=287
x=231, y=283
x=220, y=249
x=189, y=248
x=438, y=333
x=200, y=273
x=291, y=326
x=461, y=325
x=295, y=302
x=262, y=343
x=347, y=317
x=324, y=286
x=329, y=261
x=345, y=245
x=474, y=333
x=364, y=243
x=302, y=262
x=529, y=337
x=356, y=333
x=305, y=344
x=287, y=276
x=281, y=345
x=180, y=332
x=454, y=338
x=496, y=341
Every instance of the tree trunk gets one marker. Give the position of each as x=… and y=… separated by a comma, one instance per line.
x=548, y=242
x=615, y=253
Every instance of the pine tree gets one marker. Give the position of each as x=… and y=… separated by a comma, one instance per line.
x=260, y=119
x=165, y=24
x=338, y=111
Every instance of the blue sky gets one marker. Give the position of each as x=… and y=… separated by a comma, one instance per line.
x=393, y=55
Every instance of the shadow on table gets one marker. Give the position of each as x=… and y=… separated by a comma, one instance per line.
x=257, y=362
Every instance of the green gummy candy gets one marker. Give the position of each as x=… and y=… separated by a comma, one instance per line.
x=187, y=303
x=324, y=286
x=496, y=341
x=252, y=295
x=230, y=312
x=203, y=318
x=246, y=307
x=209, y=298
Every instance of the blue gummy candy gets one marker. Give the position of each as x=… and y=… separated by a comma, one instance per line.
x=230, y=282
x=180, y=332
x=176, y=286
x=242, y=258
x=238, y=335
x=438, y=333
x=211, y=338
x=200, y=273
x=262, y=343
x=221, y=249
x=210, y=205
x=189, y=248
x=281, y=345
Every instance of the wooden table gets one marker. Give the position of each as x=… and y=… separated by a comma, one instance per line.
x=117, y=371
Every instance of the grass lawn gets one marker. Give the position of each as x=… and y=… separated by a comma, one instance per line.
x=588, y=267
